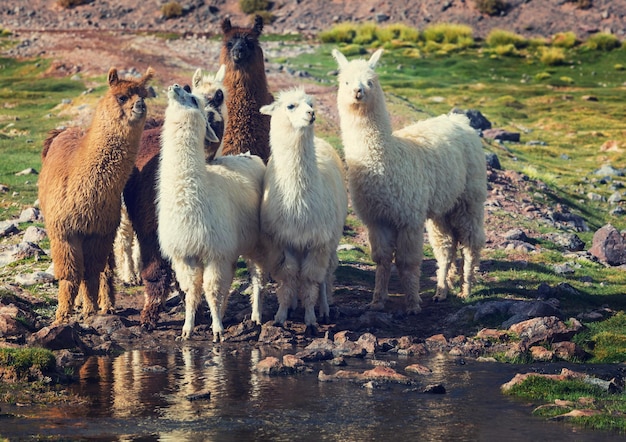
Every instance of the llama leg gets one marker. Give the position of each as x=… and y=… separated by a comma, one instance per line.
x=441, y=239
x=189, y=274
x=256, y=299
x=218, y=277
x=326, y=288
x=106, y=297
x=123, y=250
x=287, y=276
x=471, y=258
x=313, y=276
x=382, y=244
x=97, y=251
x=409, y=255
x=67, y=256
x=157, y=276
x=309, y=291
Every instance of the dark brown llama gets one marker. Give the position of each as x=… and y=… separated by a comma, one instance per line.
x=139, y=196
x=80, y=187
x=247, y=90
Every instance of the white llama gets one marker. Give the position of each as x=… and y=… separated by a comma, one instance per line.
x=208, y=214
x=434, y=169
x=211, y=88
x=304, y=207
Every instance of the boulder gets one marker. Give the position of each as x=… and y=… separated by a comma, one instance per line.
x=609, y=246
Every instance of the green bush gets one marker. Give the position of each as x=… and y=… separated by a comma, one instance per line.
x=500, y=37
x=507, y=50
x=491, y=7
x=564, y=40
x=449, y=33
x=552, y=56
x=253, y=6
x=399, y=32
x=340, y=33
x=365, y=33
x=171, y=10
x=22, y=359
x=602, y=42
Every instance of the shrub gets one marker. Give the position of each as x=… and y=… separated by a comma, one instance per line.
x=491, y=7
x=399, y=32
x=508, y=50
x=448, y=33
x=552, y=56
x=267, y=16
x=602, y=42
x=171, y=10
x=21, y=360
x=66, y=4
x=542, y=76
x=564, y=40
x=252, y=6
x=619, y=67
x=500, y=37
x=340, y=33
x=365, y=33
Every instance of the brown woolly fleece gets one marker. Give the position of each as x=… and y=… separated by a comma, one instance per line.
x=247, y=90
x=80, y=187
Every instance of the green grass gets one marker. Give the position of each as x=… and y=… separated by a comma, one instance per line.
x=28, y=112
x=22, y=359
x=611, y=407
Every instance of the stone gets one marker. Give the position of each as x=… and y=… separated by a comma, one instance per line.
x=34, y=234
x=30, y=215
x=418, y=368
x=476, y=118
x=516, y=235
x=8, y=228
x=609, y=245
x=28, y=279
x=545, y=329
x=541, y=354
x=493, y=161
x=569, y=351
x=502, y=135
x=368, y=342
x=434, y=389
x=20, y=251
x=56, y=338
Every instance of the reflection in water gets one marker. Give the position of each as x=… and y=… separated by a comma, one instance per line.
x=146, y=395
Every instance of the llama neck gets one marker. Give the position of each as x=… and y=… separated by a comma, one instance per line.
x=365, y=127
x=109, y=152
x=182, y=152
x=295, y=161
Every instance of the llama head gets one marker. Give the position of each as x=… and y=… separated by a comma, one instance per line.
x=358, y=81
x=212, y=89
x=182, y=105
x=293, y=108
x=240, y=45
x=125, y=97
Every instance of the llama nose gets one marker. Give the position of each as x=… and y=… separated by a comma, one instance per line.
x=358, y=93
x=139, y=106
x=311, y=115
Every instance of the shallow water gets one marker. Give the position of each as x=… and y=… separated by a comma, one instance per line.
x=142, y=395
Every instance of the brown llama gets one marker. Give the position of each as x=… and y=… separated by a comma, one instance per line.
x=139, y=196
x=80, y=187
x=247, y=90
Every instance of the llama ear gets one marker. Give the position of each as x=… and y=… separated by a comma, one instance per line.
x=112, y=77
x=147, y=76
x=268, y=109
x=258, y=24
x=210, y=134
x=197, y=78
x=221, y=73
x=374, y=58
x=226, y=26
x=340, y=58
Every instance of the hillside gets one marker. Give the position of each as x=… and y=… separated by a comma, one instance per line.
x=527, y=17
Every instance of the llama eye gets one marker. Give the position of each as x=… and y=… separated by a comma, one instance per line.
x=369, y=83
x=291, y=106
x=122, y=99
x=194, y=101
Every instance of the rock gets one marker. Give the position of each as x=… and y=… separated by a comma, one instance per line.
x=28, y=171
x=20, y=251
x=30, y=215
x=516, y=235
x=34, y=234
x=502, y=135
x=368, y=342
x=434, y=389
x=8, y=228
x=56, y=338
x=493, y=334
x=270, y=366
x=568, y=241
x=541, y=354
x=493, y=161
x=320, y=349
x=419, y=369
x=545, y=329
x=271, y=334
x=292, y=362
x=378, y=374
x=28, y=279
x=609, y=246
x=608, y=170
x=569, y=351
x=476, y=118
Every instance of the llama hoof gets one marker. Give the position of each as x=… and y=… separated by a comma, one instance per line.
x=377, y=306
x=439, y=298
x=218, y=338
x=310, y=331
x=413, y=309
